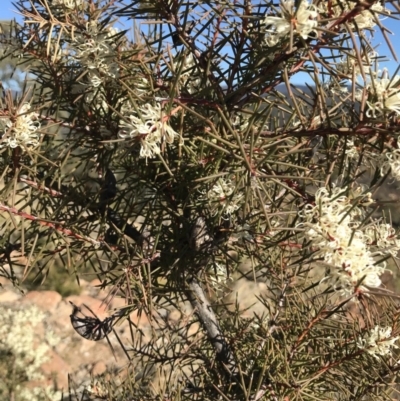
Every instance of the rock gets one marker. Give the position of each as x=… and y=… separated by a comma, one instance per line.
x=57, y=368
x=60, y=316
x=248, y=296
x=5, y=282
x=118, y=302
x=73, y=356
x=9, y=296
x=99, y=368
x=45, y=300
x=96, y=305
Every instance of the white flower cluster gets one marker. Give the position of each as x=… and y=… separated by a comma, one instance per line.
x=335, y=88
x=150, y=127
x=383, y=95
x=364, y=20
x=222, y=196
x=39, y=394
x=25, y=354
x=351, y=150
x=379, y=341
x=303, y=19
x=333, y=226
x=71, y=4
x=240, y=121
x=218, y=275
x=22, y=131
x=350, y=69
x=349, y=64
x=95, y=50
x=383, y=236
x=390, y=161
x=190, y=76
x=17, y=336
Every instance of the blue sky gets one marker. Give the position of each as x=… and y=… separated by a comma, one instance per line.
x=6, y=12
x=393, y=25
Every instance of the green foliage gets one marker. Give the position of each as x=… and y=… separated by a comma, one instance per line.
x=54, y=280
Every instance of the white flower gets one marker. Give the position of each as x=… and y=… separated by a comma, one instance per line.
x=391, y=161
x=392, y=102
x=349, y=64
x=95, y=50
x=383, y=236
x=190, y=76
x=21, y=132
x=222, y=196
x=364, y=20
x=94, y=39
x=351, y=149
x=218, y=276
x=384, y=95
x=359, y=95
x=334, y=87
x=239, y=121
x=150, y=127
x=332, y=227
x=303, y=20
x=142, y=86
x=95, y=79
x=379, y=341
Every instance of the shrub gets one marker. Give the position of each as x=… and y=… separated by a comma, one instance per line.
x=179, y=159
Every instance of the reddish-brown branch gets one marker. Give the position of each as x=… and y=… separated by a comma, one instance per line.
x=33, y=184
x=311, y=324
x=339, y=362
x=55, y=226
